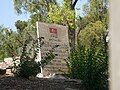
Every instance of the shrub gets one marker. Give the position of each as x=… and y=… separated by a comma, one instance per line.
x=28, y=68
x=89, y=61
x=28, y=65
x=90, y=66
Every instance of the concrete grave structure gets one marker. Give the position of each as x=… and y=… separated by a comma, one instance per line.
x=54, y=34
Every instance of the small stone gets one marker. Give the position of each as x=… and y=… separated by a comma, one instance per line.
x=2, y=71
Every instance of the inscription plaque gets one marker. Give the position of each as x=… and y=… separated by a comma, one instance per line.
x=54, y=35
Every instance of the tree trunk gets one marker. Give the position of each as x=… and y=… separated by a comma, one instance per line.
x=72, y=31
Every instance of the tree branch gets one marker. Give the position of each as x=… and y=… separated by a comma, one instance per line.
x=73, y=5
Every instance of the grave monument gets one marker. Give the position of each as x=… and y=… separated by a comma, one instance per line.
x=53, y=35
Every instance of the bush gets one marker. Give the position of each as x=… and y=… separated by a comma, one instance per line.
x=90, y=66
x=89, y=61
x=28, y=68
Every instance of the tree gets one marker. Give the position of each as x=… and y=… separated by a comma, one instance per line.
x=2, y=52
x=8, y=43
x=41, y=10
x=20, y=25
x=57, y=15
x=89, y=61
x=36, y=8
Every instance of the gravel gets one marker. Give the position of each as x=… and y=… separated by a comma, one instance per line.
x=34, y=83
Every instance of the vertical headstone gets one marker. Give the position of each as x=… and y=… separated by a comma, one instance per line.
x=53, y=35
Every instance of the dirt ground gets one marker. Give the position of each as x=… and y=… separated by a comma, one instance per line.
x=34, y=83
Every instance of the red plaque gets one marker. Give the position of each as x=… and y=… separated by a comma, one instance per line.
x=53, y=30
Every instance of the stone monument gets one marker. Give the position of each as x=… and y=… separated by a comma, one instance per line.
x=54, y=34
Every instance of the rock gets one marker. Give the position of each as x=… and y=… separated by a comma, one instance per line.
x=70, y=89
x=39, y=75
x=57, y=76
x=3, y=65
x=74, y=80
x=2, y=71
x=9, y=61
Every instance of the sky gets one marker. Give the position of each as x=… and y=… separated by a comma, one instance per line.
x=8, y=16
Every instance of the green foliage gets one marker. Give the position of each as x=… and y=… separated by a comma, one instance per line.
x=97, y=10
x=2, y=53
x=61, y=14
x=9, y=44
x=23, y=44
x=89, y=61
x=20, y=25
x=49, y=56
x=51, y=12
x=65, y=15
x=28, y=65
x=32, y=6
x=92, y=31
x=91, y=66
x=28, y=68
